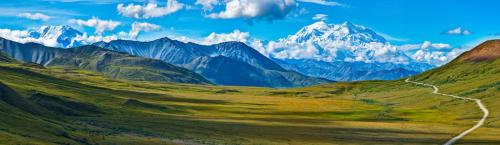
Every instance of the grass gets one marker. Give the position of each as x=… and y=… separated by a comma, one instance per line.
x=371, y=112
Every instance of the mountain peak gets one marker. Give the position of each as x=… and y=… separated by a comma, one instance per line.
x=57, y=35
x=318, y=25
x=347, y=31
x=234, y=43
x=164, y=39
x=486, y=51
x=348, y=24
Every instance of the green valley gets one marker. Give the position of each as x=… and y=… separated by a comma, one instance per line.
x=67, y=105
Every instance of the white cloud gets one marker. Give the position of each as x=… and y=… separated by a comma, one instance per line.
x=320, y=17
x=458, y=31
x=436, y=57
x=409, y=47
x=149, y=10
x=441, y=46
x=208, y=5
x=255, y=9
x=236, y=35
x=138, y=27
x=424, y=45
x=392, y=38
x=431, y=53
x=20, y=36
x=89, y=39
x=34, y=16
x=99, y=25
x=322, y=2
x=428, y=44
x=130, y=10
x=12, y=34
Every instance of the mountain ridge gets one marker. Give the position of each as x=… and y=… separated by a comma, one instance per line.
x=110, y=63
x=248, y=66
x=486, y=51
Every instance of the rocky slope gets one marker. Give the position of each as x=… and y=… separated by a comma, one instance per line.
x=487, y=51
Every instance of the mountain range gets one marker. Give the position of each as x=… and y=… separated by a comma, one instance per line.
x=231, y=63
x=110, y=63
x=228, y=63
x=47, y=106
x=339, y=52
x=344, y=52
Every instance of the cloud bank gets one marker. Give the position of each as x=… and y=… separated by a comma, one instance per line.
x=99, y=25
x=458, y=31
x=322, y=2
x=255, y=9
x=34, y=16
x=320, y=17
x=138, y=27
x=150, y=10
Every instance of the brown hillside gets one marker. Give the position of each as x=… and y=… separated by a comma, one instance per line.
x=487, y=51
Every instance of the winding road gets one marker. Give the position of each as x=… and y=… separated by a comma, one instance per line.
x=478, y=102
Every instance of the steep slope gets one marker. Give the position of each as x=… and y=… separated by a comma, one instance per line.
x=29, y=52
x=5, y=58
x=487, y=51
x=110, y=63
x=343, y=52
x=473, y=77
x=228, y=63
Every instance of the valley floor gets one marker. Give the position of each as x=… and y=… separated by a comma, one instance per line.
x=111, y=111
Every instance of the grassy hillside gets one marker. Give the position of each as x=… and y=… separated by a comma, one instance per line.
x=5, y=58
x=124, y=66
x=71, y=106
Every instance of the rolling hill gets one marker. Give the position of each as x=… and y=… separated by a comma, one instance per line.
x=480, y=62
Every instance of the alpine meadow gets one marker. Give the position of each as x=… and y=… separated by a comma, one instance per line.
x=249, y=72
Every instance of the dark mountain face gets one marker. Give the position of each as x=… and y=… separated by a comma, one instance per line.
x=29, y=52
x=228, y=63
x=110, y=63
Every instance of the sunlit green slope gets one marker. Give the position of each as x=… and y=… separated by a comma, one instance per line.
x=58, y=105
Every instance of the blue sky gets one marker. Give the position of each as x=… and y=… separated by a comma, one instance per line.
x=406, y=21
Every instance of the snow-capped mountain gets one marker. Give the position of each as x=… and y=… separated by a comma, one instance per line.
x=344, y=52
x=57, y=36
x=346, y=32
x=336, y=42
x=54, y=36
